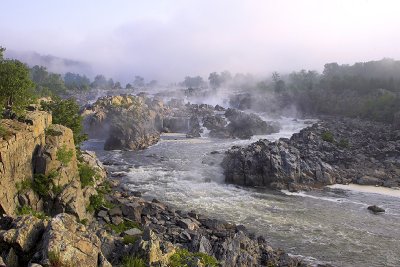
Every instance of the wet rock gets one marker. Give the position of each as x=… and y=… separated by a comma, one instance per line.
x=376, y=209
x=319, y=155
x=368, y=180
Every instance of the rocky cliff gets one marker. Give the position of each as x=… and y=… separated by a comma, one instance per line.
x=126, y=122
x=20, y=143
x=331, y=151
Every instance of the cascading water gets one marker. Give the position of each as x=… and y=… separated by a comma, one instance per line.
x=331, y=225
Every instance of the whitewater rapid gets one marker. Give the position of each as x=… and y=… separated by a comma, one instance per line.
x=332, y=225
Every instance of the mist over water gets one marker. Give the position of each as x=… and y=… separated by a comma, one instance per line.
x=332, y=225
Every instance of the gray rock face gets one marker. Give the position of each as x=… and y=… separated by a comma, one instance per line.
x=127, y=122
x=238, y=124
x=333, y=151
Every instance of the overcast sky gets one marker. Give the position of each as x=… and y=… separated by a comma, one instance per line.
x=167, y=40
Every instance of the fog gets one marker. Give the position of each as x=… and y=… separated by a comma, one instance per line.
x=169, y=40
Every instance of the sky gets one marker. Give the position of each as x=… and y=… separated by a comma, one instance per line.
x=168, y=40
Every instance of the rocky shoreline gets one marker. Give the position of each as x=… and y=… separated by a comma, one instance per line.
x=334, y=150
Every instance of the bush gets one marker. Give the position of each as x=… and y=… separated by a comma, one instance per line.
x=64, y=155
x=132, y=261
x=5, y=133
x=327, y=136
x=43, y=184
x=86, y=174
x=122, y=227
x=185, y=258
x=343, y=143
x=97, y=201
x=27, y=210
x=23, y=186
x=66, y=112
x=52, y=132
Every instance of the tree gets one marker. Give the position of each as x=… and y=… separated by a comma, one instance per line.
x=152, y=83
x=215, y=80
x=117, y=85
x=279, y=84
x=66, y=112
x=47, y=83
x=100, y=81
x=76, y=82
x=110, y=83
x=139, y=81
x=128, y=86
x=15, y=85
x=193, y=82
x=2, y=49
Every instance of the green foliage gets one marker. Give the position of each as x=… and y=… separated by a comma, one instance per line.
x=64, y=155
x=98, y=201
x=52, y=132
x=66, y=112
x=132, y=261
x=86, y=174
x=44, y=184
x=327, y=136
x=47, y=83
x=104, y=188
x=123, y=226
x=15, y=86
x=75, y=81
x=27, y=210
x=84, y=221
x=129, y=239
x=184, y=258
x=23, y=186
x=343, y=143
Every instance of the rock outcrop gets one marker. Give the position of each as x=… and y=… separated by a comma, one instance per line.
x=127, y=122
x=60, y=241
x=238, y=124
x=332, y=151
x=20, y=142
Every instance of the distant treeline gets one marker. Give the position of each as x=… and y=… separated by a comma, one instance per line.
x=368, y=90
x=48, y=83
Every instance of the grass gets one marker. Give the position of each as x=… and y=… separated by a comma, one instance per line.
x=132, y=261
x=64, y=155
x=122, y=227
x=27, y=210
x=327, y=136
x=185, y=258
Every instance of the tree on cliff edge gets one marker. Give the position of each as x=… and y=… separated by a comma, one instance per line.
x=16, y=88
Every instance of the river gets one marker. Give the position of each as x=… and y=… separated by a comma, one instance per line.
x=332, y=225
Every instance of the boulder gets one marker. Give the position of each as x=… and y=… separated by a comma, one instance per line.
x=24, y=234
x=153, y=250
x=70, y=243
x=376, y=209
